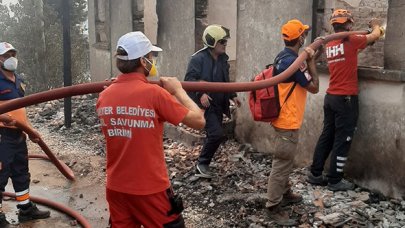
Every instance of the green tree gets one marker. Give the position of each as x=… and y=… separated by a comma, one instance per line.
x=80, y=46
x=26, y=33
x=35, y=30
x=5, y=21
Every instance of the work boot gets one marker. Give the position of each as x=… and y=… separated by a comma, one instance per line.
x=31, y=212
x=280, y=217
x=342, y=185
x=320, y=180
x=290, y=197
x=3, y=221
x=203, y=170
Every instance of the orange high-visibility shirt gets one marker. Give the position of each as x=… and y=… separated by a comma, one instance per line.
x=132, y=113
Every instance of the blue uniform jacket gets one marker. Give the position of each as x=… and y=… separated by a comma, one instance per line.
x=10, y=90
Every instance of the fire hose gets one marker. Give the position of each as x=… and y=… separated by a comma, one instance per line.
x=57, y=206
x=62, y=167
x=188, y=86
x=97, y=87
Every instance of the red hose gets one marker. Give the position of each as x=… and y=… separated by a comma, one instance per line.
x=70, y=175
x=57, y=206
x=62, y=167
x=40, y=156
x=188, y=86
x=45, y=157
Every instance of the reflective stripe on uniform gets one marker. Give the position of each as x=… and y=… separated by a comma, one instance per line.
x=23, y=196
x=341, y=158
x=340, y=164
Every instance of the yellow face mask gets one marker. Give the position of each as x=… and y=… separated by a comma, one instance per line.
x=152, y=71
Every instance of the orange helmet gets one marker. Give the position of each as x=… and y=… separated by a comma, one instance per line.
x=341, y=16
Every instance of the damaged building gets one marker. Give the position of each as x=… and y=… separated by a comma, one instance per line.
x=377, y=156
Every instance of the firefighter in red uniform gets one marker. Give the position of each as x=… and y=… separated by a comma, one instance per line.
x=13, y=146
x=132, y=113
x=341, y=102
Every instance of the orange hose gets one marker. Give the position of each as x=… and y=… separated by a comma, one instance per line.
x=188, y=86
x=56, y=206
x=39, y=156
x=62, y=167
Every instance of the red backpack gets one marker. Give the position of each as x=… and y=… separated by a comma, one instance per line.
x=264, y=103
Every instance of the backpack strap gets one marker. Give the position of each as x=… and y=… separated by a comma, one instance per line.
x=289, y=93
x=276, y=61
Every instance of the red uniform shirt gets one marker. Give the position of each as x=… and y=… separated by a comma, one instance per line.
x=132, y=112
x=342, y=63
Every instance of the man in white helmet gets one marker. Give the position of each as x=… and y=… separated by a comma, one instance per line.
x=211, y=64
x=13, y=146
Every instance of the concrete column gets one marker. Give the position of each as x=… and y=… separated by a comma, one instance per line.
x=121, y=22
x=394, y=53
x=224, y=12
x=137, y=15
x=99, y=39
x=176, y=36
x=201, y=21
x=259, y=40
x=150, y=20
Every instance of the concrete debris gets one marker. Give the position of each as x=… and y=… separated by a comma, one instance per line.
x=333, y=218
x=236, y=196
x=74, y=223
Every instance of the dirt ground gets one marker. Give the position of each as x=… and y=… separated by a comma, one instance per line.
x=85, y=194
x=83, y=152
x=235, y=197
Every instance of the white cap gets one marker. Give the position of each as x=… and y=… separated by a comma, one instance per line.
x=5, y=47
x=136, y=44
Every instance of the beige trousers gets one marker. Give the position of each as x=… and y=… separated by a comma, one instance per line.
x=282, y=166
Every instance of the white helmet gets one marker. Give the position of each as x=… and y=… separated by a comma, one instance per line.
x=214, y=33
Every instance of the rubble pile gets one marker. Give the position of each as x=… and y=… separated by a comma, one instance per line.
x=236, y=196
x=85, y=125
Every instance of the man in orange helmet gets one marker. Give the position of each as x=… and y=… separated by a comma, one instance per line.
x=341, y=102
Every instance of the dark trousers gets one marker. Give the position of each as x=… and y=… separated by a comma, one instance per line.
x=340, y=120
x=215, y=134
x=14, y=160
